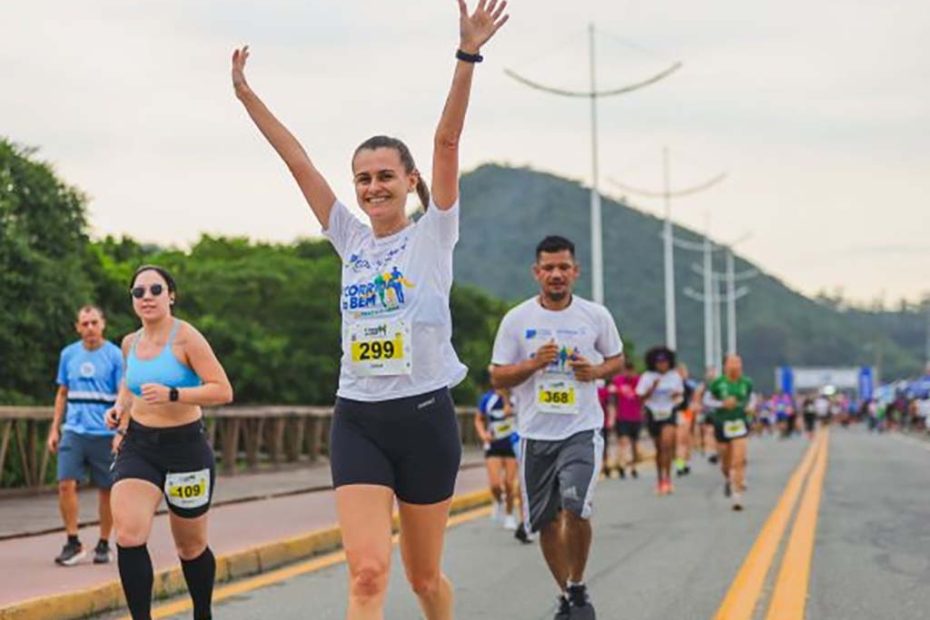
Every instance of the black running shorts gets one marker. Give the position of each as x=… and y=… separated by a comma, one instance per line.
x=411, y=445
x=727, y=430
x=810, y=421
x=629, y=428
x=655, y=426
x=176, y=459
x=501, y=448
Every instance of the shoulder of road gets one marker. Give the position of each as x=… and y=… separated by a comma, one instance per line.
x=258, y=522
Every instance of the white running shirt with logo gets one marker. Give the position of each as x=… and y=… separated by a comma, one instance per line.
x=552, y=404
x=396, y=323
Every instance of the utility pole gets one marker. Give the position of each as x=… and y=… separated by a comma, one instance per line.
x=709, y=359
x=713, y=298
x=927, y=309
x=718, y=335
x=731, y=303
x=668, y=238
x=597, y=239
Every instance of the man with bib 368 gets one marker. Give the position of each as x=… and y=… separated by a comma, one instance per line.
x=549, y=350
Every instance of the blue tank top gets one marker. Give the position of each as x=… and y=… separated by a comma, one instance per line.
x=164, y=368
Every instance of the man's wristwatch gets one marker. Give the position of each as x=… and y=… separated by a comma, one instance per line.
x=173, y=394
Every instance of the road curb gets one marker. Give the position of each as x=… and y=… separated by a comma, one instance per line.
x=169, y=582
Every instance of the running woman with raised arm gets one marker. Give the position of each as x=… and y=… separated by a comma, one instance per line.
x=394, y=431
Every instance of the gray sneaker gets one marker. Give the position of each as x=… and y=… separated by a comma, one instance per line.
x=102, y=553
x=71, y=554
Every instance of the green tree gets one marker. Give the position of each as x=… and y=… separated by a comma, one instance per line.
x=42, y=276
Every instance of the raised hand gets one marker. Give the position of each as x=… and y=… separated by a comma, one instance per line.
x=476, y=29
x=238, y=68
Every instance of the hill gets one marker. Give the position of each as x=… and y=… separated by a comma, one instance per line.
x=506, y=211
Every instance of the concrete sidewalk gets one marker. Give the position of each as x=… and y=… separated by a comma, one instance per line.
x=248, y=535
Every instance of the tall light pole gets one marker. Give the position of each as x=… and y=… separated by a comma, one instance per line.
x=713, y=298
x=668, y=238
x=731, y=303
x=718, y=332
x=709, y=359
x=927, y=308
x=597, y=238
x=597, y=235
x=668, y=251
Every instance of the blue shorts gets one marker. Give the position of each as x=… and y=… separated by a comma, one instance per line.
x=79, y=453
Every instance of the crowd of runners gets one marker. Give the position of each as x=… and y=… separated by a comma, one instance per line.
x=565, y=408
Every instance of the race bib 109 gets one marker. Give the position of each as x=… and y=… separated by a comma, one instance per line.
x=188, y=489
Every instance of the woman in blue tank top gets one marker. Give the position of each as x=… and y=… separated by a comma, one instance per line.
x=171, y=372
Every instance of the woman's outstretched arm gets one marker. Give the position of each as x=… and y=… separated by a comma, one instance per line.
x=474, y=31
x=314, y=187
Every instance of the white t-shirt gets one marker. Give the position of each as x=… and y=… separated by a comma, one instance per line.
x=666, y=395
x=822, y=406
x=552, y=404
x=396, y=324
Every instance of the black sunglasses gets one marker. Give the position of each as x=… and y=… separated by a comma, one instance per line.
x=139, y=291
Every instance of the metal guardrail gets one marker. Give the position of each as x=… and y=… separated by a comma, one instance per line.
x=243, y=435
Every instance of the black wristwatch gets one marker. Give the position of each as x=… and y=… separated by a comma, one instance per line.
x=466, y=57
x=173, y=395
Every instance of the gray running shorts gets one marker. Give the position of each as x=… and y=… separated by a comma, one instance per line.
x=559, y=475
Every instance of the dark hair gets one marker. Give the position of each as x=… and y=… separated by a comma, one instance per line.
x=629, y=365
x=387, y=142
x=654, y=354
x=555, y=243
x=95, y=308
x=172, y=286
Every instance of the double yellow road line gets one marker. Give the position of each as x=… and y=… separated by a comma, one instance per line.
x=789, y=595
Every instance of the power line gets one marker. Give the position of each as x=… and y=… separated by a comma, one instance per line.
x=597, y=253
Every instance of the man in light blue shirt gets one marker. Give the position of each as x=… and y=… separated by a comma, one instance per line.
x=89, y=374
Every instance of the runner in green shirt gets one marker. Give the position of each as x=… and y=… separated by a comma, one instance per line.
x=731, y=396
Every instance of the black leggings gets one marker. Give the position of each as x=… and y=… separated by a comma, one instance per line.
x=409, y=444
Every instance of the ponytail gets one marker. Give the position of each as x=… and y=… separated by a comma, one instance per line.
x=422, y=192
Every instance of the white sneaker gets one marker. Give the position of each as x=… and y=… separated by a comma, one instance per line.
x=737, y=501
x=510, y=523
x=497, y=511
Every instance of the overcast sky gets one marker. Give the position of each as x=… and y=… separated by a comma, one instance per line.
x=818, y=111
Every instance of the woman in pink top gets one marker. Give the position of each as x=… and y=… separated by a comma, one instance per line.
x=629, y=417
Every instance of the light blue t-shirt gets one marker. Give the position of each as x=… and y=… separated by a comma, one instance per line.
x=92, y=379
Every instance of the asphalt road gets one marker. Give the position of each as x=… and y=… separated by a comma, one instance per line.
x=676, y=557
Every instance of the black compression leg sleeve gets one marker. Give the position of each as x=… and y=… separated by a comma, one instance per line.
x=199, y=574
x=135, y=573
